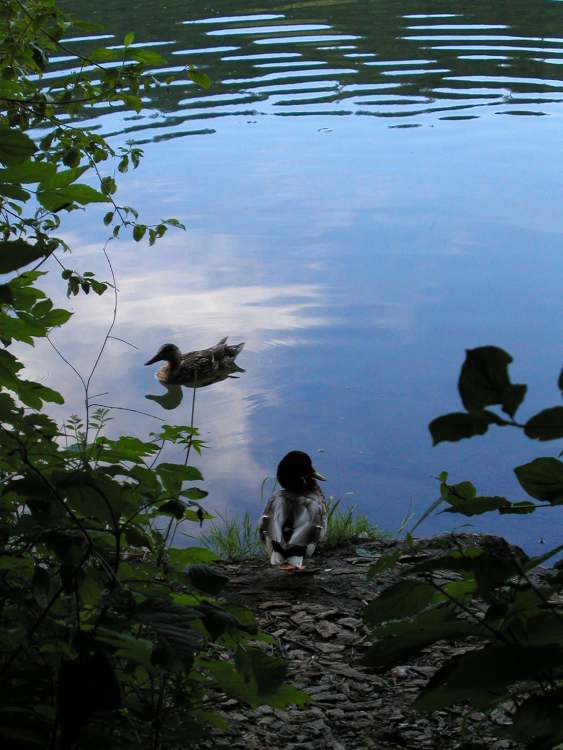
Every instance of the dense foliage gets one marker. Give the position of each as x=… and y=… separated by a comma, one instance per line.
x=484, y=591
x=108, y=636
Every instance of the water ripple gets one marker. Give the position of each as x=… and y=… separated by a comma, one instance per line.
x=302, y=59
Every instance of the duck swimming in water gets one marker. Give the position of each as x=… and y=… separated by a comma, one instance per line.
x=188, y=369
x=295, y=517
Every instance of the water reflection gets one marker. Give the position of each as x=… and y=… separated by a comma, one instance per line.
x=358, y=216
x=333, y=42
x=174, y=393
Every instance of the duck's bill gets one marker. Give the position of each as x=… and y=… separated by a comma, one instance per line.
x=317, y=475
x=153, y=360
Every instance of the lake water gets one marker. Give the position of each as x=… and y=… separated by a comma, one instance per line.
x=369, y=189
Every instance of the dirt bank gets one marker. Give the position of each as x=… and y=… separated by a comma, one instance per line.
x=315, y=619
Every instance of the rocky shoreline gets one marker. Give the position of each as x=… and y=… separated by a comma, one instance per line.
x=315, y=621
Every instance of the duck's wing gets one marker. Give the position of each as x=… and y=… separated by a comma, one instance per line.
x=310, y=519
x=273, y=519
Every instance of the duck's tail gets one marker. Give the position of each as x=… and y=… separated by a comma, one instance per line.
x=235, y=349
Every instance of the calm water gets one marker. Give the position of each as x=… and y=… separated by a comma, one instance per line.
x=369, y=188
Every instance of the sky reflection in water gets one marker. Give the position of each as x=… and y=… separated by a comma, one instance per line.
x=356, y=257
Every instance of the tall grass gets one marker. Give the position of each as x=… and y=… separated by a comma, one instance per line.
x=237, y=538
x=234, y=538
x=347, y=525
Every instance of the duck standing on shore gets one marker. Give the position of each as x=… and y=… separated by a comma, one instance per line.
x=185, y=369
x=295, y=518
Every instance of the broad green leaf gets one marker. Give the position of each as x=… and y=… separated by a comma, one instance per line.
x=62, y=179
x=18, y=253
x=401, y=640
x=102, y=55
x=459, y=425
x=536, y=723
x=183, y=557
x=173, y=508
x=542, y=478
x=546, y=425
x=484, y=380
x=194, y=493
x=256, y=679
x=136, y=537
x=128, y=39
x=384, y=563
x=496, y=666
x=126, y=448
x=27, y=171
x=204, y=578
x=490, y=566
x=403, y=599
x=199, y=77
x=533, y=562
x=173, y=475
x=14, y=192
x=477, y=505
x=139, y=232
x=15, y=146
x=145, y=56
x=138, y=650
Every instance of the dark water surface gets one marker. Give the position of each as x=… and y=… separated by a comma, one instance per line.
x=369, y=188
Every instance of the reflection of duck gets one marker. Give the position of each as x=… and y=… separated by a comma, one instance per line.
x=199, y=367
x=295, y=517
x=172, y=398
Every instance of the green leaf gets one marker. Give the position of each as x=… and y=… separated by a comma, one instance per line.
x=15, y=146
x=55, y=200
x=172, y=475
x=139, y=232
x=178, y=641
x=542, y=478
x=477, y=505
x=57, y=317
x=18, y=253
x=183, y=557
x=206, y=579
x=536, y=723
x=136, y=537
x=102, y=55
x=108, y=186
x=384, y=563
x=199, y=77
x=145, y=56
x=403, y=599
x=492, y=564
x=61, y=179
x=256, y=679
x=546, y=425
x=173, y=508
x=14, y=192
x=137, y=650
x=175, y=223
x=194, y=493
x=484, y=380
x=28, y=171
x=459, y=425
x=497, y=667
x=400, y=641
x=128, y=39
x=534, y=562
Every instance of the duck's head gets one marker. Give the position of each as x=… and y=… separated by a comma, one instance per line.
x=296, y=472
x=168, y=352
